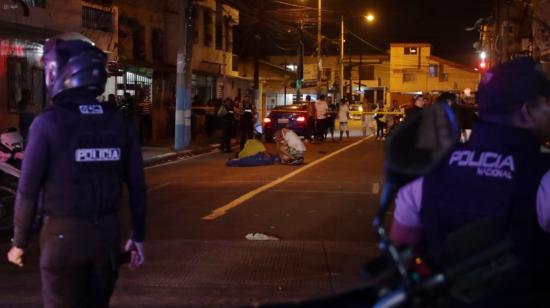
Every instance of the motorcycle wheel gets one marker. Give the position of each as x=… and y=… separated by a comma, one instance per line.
x=7, y=202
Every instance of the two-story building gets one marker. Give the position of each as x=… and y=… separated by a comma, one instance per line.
x=414, y=70
x=24, y=27
x=366, y=77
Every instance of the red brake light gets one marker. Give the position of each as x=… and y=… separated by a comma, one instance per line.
x=301, y=119
x=267, y=120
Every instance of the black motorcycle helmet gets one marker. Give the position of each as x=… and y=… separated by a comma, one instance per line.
x=73, y=64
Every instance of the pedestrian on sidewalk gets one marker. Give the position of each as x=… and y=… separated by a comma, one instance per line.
x=248, y=113
x=78, y=155
x=310, y=119
x=343, y=117
x=321, y=110
x=331, y=117
x=227, y=114
x=380, y=121
x=367, y=121
x=146, y=121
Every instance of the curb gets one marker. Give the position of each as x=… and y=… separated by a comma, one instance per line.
x=172, y=156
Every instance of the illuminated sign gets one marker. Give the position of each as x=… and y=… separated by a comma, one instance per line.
x=19, y=48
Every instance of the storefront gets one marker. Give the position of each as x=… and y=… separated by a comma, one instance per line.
x=20, y=69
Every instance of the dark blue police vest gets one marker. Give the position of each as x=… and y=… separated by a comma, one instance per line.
x=496, y=175
x=89, y=147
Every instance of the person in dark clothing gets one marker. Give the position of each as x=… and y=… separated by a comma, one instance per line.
x=248, y=112
x=500, y=175
x=79, y=154
x=418, y=105
x=26, y=112
x=227, y=114
x=310, y=131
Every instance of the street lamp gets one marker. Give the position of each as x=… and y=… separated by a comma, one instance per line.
x=369, y=17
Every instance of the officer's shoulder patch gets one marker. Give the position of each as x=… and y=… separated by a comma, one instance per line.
x=91, y=109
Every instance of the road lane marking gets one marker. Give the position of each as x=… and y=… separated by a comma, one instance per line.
x=221, y=211
x=375, y=188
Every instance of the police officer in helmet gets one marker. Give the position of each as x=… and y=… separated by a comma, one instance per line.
x=500, y=175
x=79, y=154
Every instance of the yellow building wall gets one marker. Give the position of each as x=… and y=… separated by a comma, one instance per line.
x=458, y=79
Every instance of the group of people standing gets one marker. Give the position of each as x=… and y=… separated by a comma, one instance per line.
x=237, y=118
x=378, y=121
x=322, y=115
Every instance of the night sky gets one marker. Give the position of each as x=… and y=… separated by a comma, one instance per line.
x=441, y=23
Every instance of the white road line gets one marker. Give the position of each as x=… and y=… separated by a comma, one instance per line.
x=375, y=188
x=221, y=211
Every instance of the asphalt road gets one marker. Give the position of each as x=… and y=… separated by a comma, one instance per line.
x=201, y=211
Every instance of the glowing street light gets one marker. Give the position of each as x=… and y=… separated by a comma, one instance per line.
x=369, y=17
x=483, y=55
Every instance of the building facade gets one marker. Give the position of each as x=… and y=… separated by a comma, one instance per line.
x=414, y=70
x=25, y=26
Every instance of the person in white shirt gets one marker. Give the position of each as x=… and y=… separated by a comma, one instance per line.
x=321, y=109
x=290, y=147
x=343, y=116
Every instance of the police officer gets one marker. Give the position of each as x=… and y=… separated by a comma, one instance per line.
x=248, y=112
x=501, y=175
x=79, y=152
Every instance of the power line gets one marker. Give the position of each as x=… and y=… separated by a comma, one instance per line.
x=366, y=42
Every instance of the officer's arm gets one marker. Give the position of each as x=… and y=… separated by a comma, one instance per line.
x=135, y=181
x=406, y=227
x=543, y=203
x=32, y=176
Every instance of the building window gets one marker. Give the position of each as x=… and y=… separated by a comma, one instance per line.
x=433, y=70
x=139, y=43
x=327, y=74
x=409, y=77
x=228, y=35
x=157, y=41
x=366, y=72
x=219, y=36
x=347, y=72
x=207, y=28
x=35, y=3
x=411, y=50
x=442, y=75
x=235, y=63
x=97, y=19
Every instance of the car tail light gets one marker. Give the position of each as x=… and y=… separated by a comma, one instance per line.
x=267, y=120
x=301, y=119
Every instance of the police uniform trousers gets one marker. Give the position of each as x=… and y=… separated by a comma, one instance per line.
x=247, y=127
x=79, y=261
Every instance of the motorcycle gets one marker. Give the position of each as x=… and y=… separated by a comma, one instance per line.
x=401, y=277
x=11, y=157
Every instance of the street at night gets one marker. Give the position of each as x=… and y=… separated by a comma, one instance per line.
x=274, y=153
x=320, y=217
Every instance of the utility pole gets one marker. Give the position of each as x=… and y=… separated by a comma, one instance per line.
x=341, y=81
x=300, y=69
x=359, y=71
x=257, y=38
x=284, y=97
x=183, y=77
x=319, y=59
